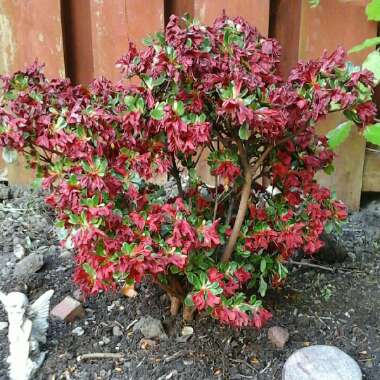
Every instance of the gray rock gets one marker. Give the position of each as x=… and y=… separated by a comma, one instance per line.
x=116, y=331
x=150, y=327
x=106, y=340
x=19, y=251
x=29, y=265
x=3, y=325
x=322, y=363
x=5, y=192
x=78, y=331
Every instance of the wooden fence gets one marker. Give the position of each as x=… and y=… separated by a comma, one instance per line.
x=82, y=39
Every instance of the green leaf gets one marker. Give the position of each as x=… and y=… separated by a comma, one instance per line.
x=372, y=63
x=205, y=46
x=89, y=270
x=369, y=42
x=140, y=105
x=157, y=113
x=329, y=169
x=329, y=227
x=373, y=10
x=129, y=100
x=60, y=123
x=244, y=132
x=263, y=265
x=9, y=155
x=159, y=80
x=194, y=280
x=263, y=287
x=188, y=301
x=339, y=134
x=314, y=3
x=372, y=133
x=148, y=41
x=36, y=183
x=282, y=270
x=179, y=108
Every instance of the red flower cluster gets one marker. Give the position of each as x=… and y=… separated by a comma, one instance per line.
x=101, y=151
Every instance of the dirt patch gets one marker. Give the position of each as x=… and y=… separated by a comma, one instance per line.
x=316, y=306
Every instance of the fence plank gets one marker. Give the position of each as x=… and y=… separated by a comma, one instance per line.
x=76, y=20
x=371, y=176
x=29, y=30
x=115, y=23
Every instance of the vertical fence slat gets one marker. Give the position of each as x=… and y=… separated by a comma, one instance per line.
x=116, y=22
x=285, y=22
x=76, y=20
x=29, y=30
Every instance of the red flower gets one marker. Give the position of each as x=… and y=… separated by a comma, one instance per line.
x=260, y=317
x=227, y=170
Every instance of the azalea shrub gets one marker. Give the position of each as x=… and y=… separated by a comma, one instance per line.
x=119, y=162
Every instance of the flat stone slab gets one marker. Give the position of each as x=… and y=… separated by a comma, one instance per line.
x=321, y=363
x=28, y=265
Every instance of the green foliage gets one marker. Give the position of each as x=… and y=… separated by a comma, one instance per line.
x=369, y=42
x=372, y=63
x=339, y=134
x=373, y=10
x=314, y=3
x=372, y=133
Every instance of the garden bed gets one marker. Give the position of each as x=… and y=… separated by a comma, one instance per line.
x=316, y=306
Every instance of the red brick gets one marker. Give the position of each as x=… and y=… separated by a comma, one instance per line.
x=68, y=310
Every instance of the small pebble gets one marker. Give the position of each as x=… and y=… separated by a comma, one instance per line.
x=187, y=331
x=78, y=331
x=116, y=331
x=3, y=325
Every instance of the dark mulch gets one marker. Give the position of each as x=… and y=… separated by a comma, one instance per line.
x=317, y=307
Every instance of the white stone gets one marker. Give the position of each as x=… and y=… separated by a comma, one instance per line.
x=187, y=331
x=19, y=251
x=321, y=363
x=3, y=325
x=78, y=331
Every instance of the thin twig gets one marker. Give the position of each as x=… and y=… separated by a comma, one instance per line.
x=200, y=154
x=310, y=265
x=177, y=177
x=101, y=355
x=216, y=197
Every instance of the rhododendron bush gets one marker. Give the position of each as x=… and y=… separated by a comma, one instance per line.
x=214, y=91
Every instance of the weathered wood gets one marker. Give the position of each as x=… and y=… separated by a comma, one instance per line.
x=76, y=22
x=321, y=363
x=285, y=27
x=116, y=22
x=371, y=172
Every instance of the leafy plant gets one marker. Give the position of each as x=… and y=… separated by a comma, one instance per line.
x=215, y=248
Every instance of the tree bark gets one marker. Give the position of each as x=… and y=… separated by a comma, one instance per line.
x=249, y=171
